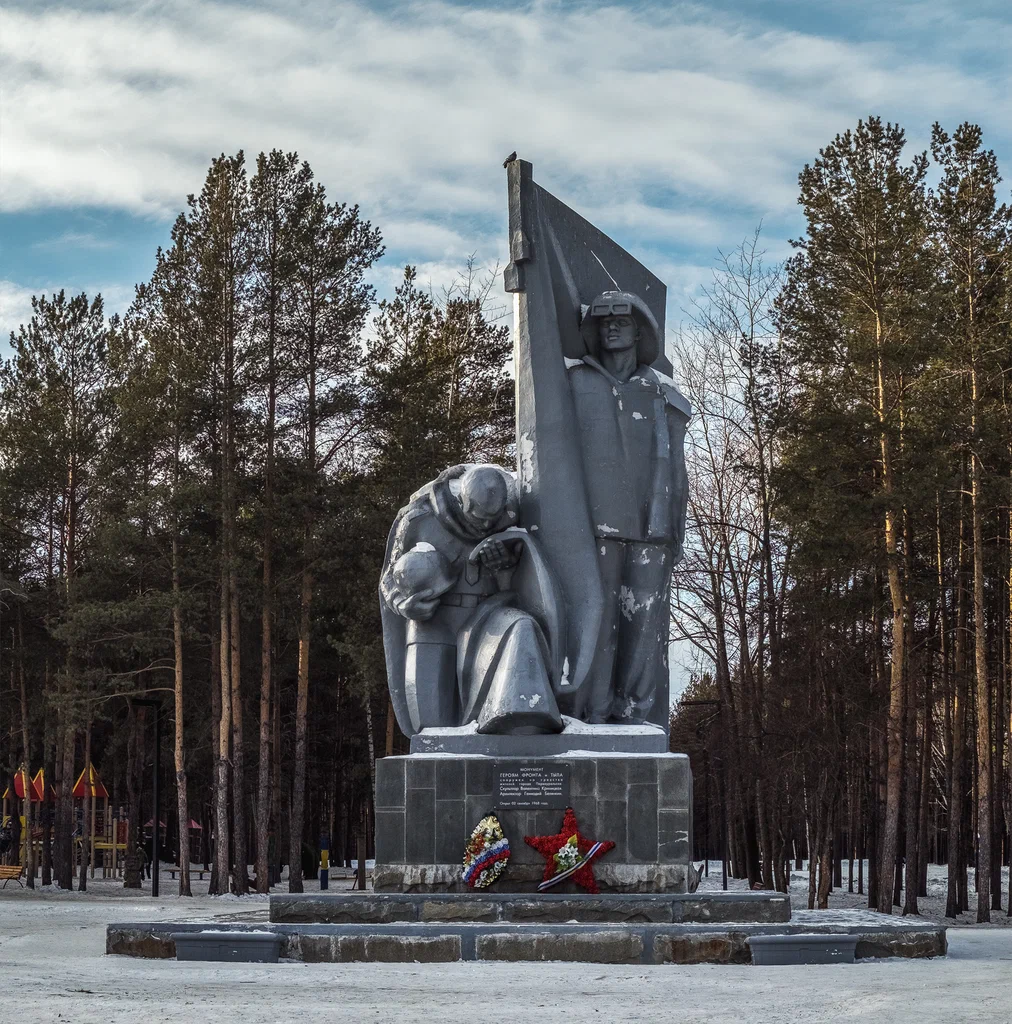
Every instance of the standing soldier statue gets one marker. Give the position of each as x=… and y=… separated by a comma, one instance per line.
x=631, y=421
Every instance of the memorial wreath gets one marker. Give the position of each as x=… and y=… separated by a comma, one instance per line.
x=486, y=854
x=568, y=854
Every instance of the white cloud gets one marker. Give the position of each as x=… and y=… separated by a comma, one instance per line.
x=16, y=303
x=75, y=240
x=674, y=127
x=414, y=107
x=15, y=309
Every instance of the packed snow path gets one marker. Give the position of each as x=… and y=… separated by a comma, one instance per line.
x=52, y=955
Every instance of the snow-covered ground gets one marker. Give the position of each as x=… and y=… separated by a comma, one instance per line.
x=52, y=960
x=931, y=907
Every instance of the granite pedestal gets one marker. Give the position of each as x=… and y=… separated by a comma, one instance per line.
x=640, y=940
x=428, y=804
x=575, y=736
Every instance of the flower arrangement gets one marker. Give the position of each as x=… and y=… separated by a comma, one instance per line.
x=486, y=854
x=568, y=855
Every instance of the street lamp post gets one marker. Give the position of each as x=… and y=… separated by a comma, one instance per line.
x=155, y=832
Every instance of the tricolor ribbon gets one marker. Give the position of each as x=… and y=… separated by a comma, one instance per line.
x=499, y=850
x=563, y=875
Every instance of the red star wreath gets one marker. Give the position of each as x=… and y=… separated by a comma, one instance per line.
x=568, y=855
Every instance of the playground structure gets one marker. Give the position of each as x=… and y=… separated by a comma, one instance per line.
x=23, y=786
x=106, y=838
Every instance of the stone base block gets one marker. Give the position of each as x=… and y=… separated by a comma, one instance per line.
x=428, y=804
x=519, y=908
x=604, y=943
x=576, y=737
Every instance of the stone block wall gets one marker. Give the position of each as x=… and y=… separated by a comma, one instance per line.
x=427, y=805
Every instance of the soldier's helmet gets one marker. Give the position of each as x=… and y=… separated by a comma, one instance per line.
x=484, y=495
x=616, y=303
x=422, y=568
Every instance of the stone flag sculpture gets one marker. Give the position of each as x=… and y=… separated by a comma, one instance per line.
x=532, y=598
x=599, y=441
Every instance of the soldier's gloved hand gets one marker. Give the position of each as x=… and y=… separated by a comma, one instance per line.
x=496, y=555
x=421, y=605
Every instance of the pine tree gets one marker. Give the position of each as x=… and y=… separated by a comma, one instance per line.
x=853, y=309
x=333, y=249
x=58, y=382
x=275, y=192
x=220, y=224
x=973, y=238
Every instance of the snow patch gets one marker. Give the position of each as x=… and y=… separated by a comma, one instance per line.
x=423, y=545
x=638, y=416
x=525, y=449
x=605, y=528
x=570, y=363
x=565, y=673
x=628, y=604
x=574, y=727
x=432, y=733
x=534, y=701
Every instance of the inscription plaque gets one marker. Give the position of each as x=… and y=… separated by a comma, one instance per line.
x=531, y=784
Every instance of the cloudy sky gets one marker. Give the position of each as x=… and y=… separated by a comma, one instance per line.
x=677, y=127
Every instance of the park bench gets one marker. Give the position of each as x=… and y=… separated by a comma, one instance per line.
x=199, y=872
x=11, y=873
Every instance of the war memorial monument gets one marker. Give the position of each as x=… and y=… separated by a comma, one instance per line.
x=539, y=814
x=525, y=612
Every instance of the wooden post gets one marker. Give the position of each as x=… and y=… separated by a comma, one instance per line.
x=105, y=829
x=92, y=830
x=115, y=836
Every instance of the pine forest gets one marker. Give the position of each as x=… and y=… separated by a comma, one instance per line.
x=195, y=497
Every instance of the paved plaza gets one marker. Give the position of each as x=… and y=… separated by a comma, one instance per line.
x=52, y=952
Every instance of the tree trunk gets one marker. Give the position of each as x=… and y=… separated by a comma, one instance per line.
x=82, y=885
x=240, y=878
x=65, y=808
x=388, y=747
x=276, y=815
x=48, y=774
x=911, y=841
x=301, y=710
x=179, y=762
x=924, y=800
x=134, y=769
x=305, y=606
x=983, y=689
x=264, y=796
x=957, y=881
x=30, y=846
x=894, y=728
x=221, y=851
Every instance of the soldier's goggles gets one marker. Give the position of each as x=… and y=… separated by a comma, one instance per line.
x=611, y=309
